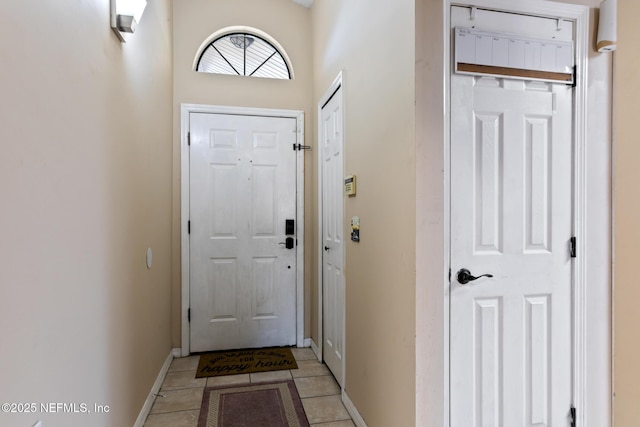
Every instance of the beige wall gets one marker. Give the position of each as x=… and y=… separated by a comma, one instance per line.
x=85, y=179
x=373, y=44
x=194, y=22
x=431, y=273
x=627, y=215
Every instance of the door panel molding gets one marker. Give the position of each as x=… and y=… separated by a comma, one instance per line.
x=185, y=111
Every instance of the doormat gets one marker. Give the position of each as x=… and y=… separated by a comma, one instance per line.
x=245, y=361
x=275, y=404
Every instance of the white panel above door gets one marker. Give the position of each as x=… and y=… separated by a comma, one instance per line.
x=491, y=42
x=521, y=57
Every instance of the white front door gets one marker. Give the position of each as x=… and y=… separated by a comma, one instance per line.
x=242, y=191
x=511, y=218
x=331, y=140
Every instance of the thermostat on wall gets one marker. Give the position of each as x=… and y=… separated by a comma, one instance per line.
x=350, y=185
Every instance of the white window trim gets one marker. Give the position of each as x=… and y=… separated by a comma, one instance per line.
x=248, y=30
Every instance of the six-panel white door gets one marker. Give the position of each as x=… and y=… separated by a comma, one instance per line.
x=511, y=217
x=242, y=189
x=331, y=135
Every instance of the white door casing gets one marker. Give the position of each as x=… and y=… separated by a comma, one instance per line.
x=511, y=335
x=243, y=180
x=333, y=280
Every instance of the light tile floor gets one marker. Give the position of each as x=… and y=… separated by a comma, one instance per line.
x=178, y=402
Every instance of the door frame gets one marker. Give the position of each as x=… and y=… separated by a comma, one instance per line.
x=581, y=348
x=338, y=83
x=185, y=111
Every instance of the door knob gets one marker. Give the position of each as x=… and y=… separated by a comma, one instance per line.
x=326, y=248
x=464, y=276
x=288, y=243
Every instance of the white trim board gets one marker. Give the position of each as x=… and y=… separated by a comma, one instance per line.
x=352, y=410
x=146, y=408
x=316, y=350
x=587, y=351
x=185, y=111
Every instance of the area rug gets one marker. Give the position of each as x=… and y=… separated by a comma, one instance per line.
x=245, y=361
x=275, y=404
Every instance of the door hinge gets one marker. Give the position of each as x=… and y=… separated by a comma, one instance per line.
x=188, y=227
x=188, y=138
x=575, y=76
x=189, y=315
x=449, y=275
x=301, y=147
x=572, y=247
x=572, y=414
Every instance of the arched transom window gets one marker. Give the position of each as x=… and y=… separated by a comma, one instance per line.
x=243, y=53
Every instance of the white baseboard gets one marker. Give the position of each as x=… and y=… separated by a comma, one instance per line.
x=315, y=349
x=177, y=352
x=307, y=342
x=351, y=409
x=146, y=408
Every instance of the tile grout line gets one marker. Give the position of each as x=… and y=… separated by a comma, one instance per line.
x=291, y=378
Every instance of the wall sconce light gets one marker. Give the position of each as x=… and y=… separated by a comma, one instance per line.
x=125, y=15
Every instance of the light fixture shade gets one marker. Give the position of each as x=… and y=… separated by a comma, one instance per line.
x=133, y=8
x=126, y=23
x=607, y=26
x=125, y=15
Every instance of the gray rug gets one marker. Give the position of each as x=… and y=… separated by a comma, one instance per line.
x=274, y=404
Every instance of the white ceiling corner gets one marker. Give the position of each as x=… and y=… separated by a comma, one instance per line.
x=305, y=3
